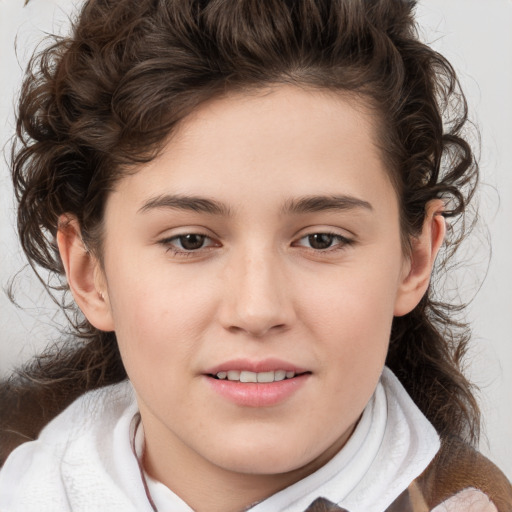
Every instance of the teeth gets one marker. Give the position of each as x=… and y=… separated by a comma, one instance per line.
x=279, y=375
x=233, y=375
x=246, y=376
x=265, y=376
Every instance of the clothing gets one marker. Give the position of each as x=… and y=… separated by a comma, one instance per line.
x=86, y=460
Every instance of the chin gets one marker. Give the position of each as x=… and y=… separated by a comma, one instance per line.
x=264, y=459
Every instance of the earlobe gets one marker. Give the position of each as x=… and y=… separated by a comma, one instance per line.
x=84, y=275
x=424, y=249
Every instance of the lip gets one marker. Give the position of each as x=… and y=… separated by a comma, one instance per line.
x=258, y=394
x=265, y=365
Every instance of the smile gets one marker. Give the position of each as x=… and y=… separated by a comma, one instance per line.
x=247, y=376
x=245, y=388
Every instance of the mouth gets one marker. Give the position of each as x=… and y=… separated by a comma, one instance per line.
x=266, y=377
x=257, y=385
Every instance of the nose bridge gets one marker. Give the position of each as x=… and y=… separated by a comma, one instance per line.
x=256, y=299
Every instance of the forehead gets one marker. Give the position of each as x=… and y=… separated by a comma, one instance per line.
x=278, y=142
x=278, y=116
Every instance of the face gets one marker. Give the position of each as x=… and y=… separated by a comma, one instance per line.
x=263, y=244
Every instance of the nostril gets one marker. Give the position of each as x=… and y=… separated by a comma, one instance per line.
x=256, y=331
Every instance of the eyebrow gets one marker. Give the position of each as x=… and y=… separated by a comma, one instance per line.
x=187, y=203
x=307, y=204
x=311, y=204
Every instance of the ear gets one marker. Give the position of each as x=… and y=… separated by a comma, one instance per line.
x=417, y=271
x=84, y=274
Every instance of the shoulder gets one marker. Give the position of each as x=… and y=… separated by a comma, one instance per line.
x=462, y=479
x=29, y=403
x=74, y=439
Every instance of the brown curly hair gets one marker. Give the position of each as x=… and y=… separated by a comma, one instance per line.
x=108, y=96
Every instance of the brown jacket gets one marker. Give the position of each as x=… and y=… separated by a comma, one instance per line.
x=459, y=479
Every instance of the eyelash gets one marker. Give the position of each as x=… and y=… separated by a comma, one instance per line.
x=342, y=243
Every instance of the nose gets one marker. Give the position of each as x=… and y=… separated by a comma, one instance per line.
x=257, y=298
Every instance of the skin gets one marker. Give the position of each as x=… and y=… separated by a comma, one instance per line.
x=259, y=287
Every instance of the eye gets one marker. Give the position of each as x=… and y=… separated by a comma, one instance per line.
x=188, y=243
x=323, y=241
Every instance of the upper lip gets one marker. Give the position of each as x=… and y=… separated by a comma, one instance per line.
x=264, y=365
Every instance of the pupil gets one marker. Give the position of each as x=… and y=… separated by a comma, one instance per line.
x=191, y=242
x=320, y=240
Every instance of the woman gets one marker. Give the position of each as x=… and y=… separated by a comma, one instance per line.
x=246, y=200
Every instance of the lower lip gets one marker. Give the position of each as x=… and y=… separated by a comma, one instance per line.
x=259, y=394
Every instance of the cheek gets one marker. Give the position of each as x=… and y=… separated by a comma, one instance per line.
x=351, y=315
x=353, y=300
x=156, y=316
x=162, y=315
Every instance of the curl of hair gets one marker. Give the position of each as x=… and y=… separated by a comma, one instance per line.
x=106, y=98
